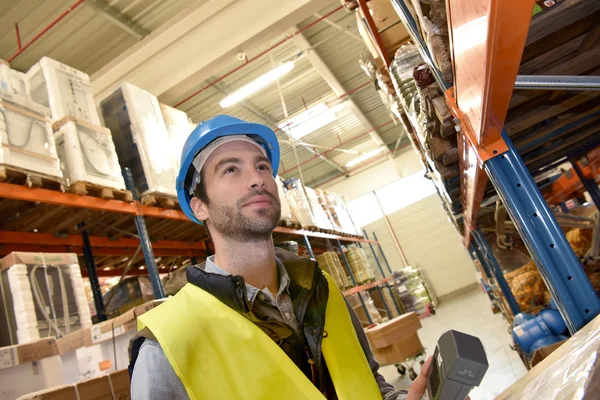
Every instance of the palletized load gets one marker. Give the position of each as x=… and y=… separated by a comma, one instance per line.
x=300, y=209
x=42, y=295
x=141, y=137
x=322, y=219
x=330, y=263
x=88, y=155
x=13, y=81
x=65, y=90
x=26, y=141
x=286, y=212
x=179, y=128
x=359, y=264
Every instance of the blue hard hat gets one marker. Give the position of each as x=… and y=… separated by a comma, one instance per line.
x=205, y=133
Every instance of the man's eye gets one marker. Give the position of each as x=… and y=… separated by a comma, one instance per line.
x=263, y=167
x=230, y=170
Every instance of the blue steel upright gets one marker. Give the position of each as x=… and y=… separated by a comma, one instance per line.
x=387, y=284
x=308, y=247
x=589, y=183
x=561, y=270
x=145, y=242
x=347, y=264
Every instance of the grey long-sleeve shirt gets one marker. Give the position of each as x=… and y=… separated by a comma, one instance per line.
x=154, y=378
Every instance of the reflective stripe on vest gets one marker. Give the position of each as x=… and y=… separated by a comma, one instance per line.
x=219, y=354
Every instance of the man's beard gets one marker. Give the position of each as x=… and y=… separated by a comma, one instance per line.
x=231, y=223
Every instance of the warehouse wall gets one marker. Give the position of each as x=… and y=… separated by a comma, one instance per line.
x=429, y=240
x=377, y=176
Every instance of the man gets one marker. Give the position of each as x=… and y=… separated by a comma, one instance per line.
x=253, y=322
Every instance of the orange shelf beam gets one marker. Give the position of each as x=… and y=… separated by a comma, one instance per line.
x=368, y=286
x=487, y=38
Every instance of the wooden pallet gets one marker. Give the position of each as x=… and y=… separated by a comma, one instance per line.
x=23, y=177
x=90, y=189
x=289, y=224
x=158, y=200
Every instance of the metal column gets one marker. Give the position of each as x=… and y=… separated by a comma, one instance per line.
x=140, y=225
x=589, y=183
x=564, y=276
x=486, y=256
x=387, y=309
x=88, y=257
x=362, y=301
x=308, y=247
x=380, y=249
x=478, y=256
x=387, y=284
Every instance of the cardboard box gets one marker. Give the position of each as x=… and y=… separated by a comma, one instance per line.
x=120, y=384
x=543, y=352
x=388, y=333
x=95, y=389
x=391, y=30
x=410, y=346
x=65, y=392
x=29, y=377
x=18, y=257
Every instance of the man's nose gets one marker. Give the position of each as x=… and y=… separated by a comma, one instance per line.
x=257, y=180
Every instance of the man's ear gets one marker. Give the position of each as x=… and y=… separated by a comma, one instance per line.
x=199, y=209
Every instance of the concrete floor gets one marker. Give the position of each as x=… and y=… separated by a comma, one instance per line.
x=471, y=313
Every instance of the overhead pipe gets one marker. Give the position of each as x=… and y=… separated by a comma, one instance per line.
x=46, y=29
x=250, y=60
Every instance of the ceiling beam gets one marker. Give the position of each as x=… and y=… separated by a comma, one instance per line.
x=199, y=42
x=117, y=18
x=337, y=88
x=341, y=28
x=269, y=121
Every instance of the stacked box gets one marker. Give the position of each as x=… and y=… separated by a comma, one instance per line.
x=359, y=264
x=330, y=263
x=13, y=81
x=396, y=340
x=141, y=137
x=65, y=90
x=26, y=140
x=42, y=295
x=179, y=128
x=286, y=212
x=87, y=153
x=299, y=206
x=28, y=367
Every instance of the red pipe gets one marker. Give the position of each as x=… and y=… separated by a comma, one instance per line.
x=338, y=146
x=248, y=61
x=46, y=29
x=18, y=35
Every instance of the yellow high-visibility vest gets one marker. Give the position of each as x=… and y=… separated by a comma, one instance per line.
x=219, y=354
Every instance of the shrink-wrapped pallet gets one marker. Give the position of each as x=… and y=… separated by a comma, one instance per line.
x=65, y=90
x=321, y=218
x=359, y=264
x=87, y=154
x=286, y=213
x=299, y=207
x=26, y=140
x=42, y=295
x=330, y=263
x=179, y=128
x=141, y=137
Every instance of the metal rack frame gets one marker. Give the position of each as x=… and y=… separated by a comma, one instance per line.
x=485, y=73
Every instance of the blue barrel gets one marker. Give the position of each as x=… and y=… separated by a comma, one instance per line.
x=543, y=342
x=548, y=323
x=520, y=318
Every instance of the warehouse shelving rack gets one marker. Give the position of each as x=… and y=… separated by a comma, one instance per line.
x=43, y=220
x=487, y=39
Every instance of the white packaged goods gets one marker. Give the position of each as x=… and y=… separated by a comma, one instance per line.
x=64, y=89
x=299, y=207
x=140, y=135
x=29, y=367
x=12, y=81
x=286, y=213
x=26, y=139
x=321, y=218
x=179, y=128
x=42, y=295
x=87, y=154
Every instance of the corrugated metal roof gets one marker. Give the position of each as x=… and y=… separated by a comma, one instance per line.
x=87, y=40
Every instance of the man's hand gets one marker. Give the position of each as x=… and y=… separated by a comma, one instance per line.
x=419, y=385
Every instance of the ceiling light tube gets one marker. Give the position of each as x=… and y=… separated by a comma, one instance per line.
x=364, y=157
x=257, y=84
x=310, y=120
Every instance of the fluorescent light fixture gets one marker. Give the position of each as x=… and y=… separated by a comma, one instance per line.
x=257, y=84
x=310, y=120
x=364, y=157
x=142, y=267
